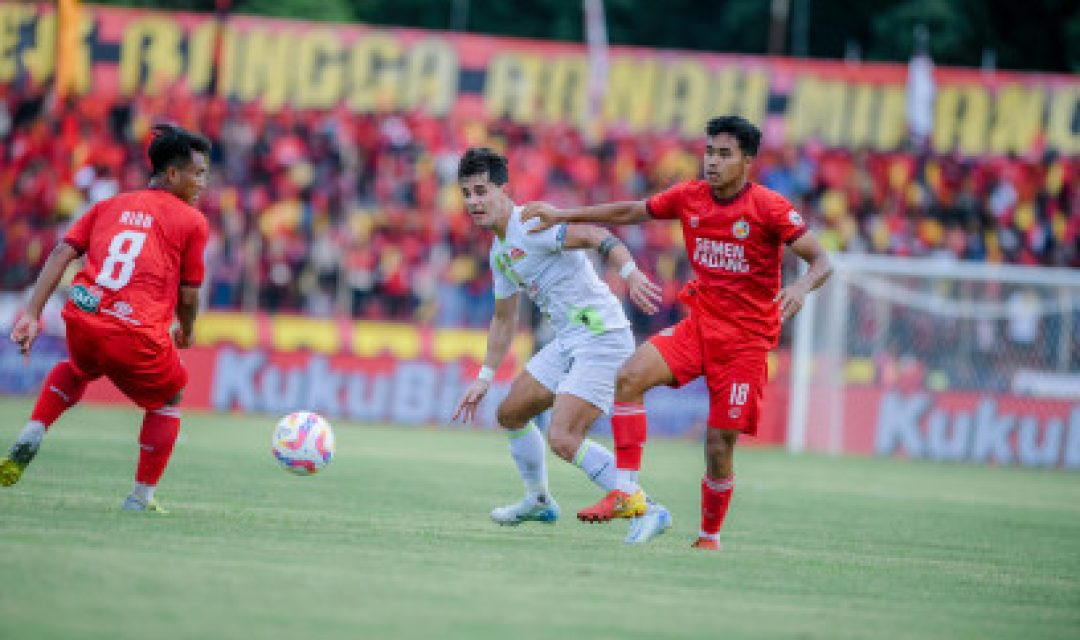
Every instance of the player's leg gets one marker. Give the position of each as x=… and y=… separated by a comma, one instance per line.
x=672, y=357
x=629, y=427
x=157, y=438
x=63, y=388
x=571, y=418
x=527, y=398
x=718, y=485
x=644, y=370
x=157, y=386
x=736, y=385
x=585, y=393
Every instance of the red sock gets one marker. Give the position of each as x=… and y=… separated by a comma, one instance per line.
x=63, y=388
x=156, y=440
x=628, y=428
x=715, y=498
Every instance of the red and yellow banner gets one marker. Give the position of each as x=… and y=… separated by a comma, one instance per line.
x=305, y=65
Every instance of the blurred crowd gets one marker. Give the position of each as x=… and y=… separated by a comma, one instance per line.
x=330, y=213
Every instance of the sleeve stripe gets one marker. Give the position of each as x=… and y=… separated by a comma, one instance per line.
x=75, y=245
x=798, y=234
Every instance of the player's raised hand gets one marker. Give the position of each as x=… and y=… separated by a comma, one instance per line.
x=643, y=292
x=791, y=300
x=466, y=409
x=24, y=333
x=547, y=215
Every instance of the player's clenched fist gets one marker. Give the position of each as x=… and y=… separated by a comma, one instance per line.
x=466, y=409
x=25, y=332
x=181, y=338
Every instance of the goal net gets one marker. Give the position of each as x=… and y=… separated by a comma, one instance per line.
x=942, y=360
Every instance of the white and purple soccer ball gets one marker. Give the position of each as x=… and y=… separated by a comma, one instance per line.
x=303, y=443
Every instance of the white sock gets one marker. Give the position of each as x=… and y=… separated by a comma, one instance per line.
x=33, y=432
x=143, y=492
x=710, y=536
x=597, y=462
x=626, y=480
x=528, y=450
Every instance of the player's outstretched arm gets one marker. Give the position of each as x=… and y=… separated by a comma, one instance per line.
x=810, y=250
x=187, y=307
x=630, y=212
x=500, y=335
x=642, y=291
x=26, y=329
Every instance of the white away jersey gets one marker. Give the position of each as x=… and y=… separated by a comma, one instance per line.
x=562, y=284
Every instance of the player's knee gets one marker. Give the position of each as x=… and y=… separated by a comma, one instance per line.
x=509, y=416
x=563, y=443
x=720, y=444
x=628, y=385
x=716, y=449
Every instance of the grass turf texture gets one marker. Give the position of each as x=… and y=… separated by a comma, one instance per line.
x=393, y=540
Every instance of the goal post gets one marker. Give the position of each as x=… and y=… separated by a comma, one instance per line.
x=939, y=359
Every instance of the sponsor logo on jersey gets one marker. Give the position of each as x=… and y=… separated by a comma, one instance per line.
x=86, y=299
x=741, y=229
x=725, y=256
x=121, y=311
x=695, y=221
x=794, y=217
x=516, y=254
x=734, y=412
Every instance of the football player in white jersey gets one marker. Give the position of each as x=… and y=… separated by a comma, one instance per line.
x=574, y=374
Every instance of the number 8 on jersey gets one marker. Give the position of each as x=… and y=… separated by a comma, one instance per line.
x=123, y=249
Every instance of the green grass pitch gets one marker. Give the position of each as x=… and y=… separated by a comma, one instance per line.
x=393, y=541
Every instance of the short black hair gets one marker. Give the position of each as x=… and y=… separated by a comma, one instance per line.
x=478, y=160
x=172, y=145
x=745, y=132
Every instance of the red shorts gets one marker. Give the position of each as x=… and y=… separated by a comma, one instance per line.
x=735, y=376
x=150, y=375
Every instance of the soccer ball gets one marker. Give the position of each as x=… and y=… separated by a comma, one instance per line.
x=303, y=443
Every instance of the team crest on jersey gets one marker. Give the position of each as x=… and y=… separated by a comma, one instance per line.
x=694, y=221
x=516, y=254
x=741, y=229
x=794, y=217
x=734, y=412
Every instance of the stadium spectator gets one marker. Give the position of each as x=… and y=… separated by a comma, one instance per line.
x=332, y=212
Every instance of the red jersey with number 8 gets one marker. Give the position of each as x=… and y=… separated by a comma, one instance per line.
x=735, y=248
x=140, y=247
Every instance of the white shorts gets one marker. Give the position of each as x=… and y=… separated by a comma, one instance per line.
x=585, y=369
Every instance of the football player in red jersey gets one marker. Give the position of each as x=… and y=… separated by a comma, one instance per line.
x=735, y=231
x=144, y=266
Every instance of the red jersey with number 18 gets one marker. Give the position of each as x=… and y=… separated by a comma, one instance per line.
x=140, y=248
x=735, y=247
